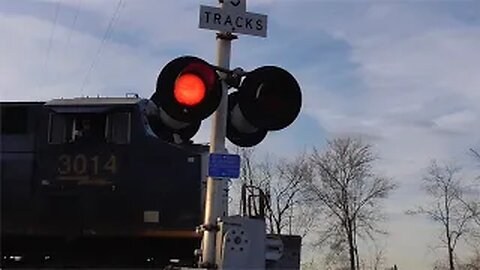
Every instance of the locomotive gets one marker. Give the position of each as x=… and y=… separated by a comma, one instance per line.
x=87, y=182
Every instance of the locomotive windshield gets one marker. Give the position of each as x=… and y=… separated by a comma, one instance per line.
x=76, y=128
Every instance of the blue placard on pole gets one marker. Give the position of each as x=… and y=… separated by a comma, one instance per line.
x=224, y=166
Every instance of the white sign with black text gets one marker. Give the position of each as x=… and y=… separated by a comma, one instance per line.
x=233, y=18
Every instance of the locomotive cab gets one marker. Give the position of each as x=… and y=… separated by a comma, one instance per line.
x=87, y=138
x=86, y=123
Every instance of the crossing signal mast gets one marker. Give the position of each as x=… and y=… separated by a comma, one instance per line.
x=265, y=99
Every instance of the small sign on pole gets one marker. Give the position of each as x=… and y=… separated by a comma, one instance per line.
x=233, y=18
x=224, y=166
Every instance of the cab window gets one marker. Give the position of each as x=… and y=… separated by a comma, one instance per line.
x=72, y=128
x=118, y=128
x=89, y=127
x=67, y=128
x=58, y=129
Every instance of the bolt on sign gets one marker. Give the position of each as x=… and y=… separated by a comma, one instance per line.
x=233, y=18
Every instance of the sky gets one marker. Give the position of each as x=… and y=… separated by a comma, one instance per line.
x=402, y=75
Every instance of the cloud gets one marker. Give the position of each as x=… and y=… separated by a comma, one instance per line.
x=413, y=87
x=460, y=121
x=88, y=59
x=401, y=74
x=65, y=71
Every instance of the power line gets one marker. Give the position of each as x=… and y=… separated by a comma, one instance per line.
x=75, y=17
x=106, y=35
x=50, y=39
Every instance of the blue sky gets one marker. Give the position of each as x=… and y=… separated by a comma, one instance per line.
x=401, y=74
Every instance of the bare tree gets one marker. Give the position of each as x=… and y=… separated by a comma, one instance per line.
x=337, y=256
x=473, y=263
x=290, y=175
x=281, y=180
x=394, y=267
x=310, y=265
x=475, y=153
x=378, y=259
x=347, y=189
x=252, y=173
x=448, y=194
x=474, y=205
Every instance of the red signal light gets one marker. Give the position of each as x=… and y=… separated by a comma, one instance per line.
x=189, y=89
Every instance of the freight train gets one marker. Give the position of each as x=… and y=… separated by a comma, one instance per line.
x=88, y=182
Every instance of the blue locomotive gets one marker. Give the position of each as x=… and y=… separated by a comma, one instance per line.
x=87, y=182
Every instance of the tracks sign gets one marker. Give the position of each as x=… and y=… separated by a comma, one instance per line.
x=233, y=17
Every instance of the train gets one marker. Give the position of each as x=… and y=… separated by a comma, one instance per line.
x=88, y=182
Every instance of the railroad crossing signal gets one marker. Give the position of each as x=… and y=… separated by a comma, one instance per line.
x=188, y=91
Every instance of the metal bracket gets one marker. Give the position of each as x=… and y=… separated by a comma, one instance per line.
x=236, y=71
x=209, y=227
x=232, y=77
x=226, y=36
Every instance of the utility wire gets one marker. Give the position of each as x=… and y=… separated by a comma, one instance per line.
x=106, y=35
x=50, y=39
x=75, y=17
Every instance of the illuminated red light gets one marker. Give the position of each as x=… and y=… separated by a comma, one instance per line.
x=189, y=89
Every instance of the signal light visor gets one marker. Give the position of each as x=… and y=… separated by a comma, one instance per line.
x=270, y=98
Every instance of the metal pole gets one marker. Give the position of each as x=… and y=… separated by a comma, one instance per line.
x=214, y=207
